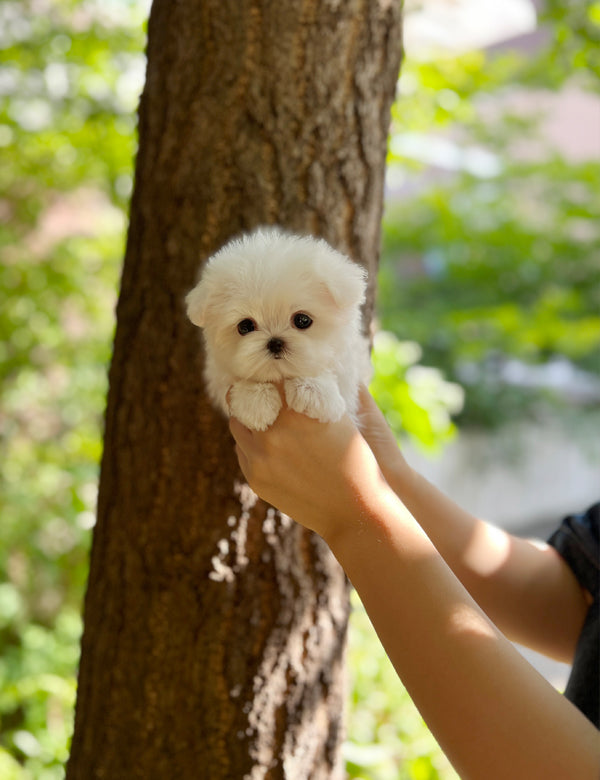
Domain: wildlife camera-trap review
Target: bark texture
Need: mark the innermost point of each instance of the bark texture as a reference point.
(215, 629)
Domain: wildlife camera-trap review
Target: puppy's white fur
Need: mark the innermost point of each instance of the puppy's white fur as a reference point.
(266, 278)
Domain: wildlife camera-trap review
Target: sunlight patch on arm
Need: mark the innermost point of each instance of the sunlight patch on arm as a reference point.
(488, 550)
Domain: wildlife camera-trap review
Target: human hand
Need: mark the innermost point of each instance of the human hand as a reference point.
(322, 474)
(381, 440)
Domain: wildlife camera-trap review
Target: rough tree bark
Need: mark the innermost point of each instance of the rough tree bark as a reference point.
(214, 629)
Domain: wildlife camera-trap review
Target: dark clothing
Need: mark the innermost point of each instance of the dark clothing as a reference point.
(577, 540)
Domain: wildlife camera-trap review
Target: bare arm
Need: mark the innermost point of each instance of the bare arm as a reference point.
(524, 586)
(494, 716)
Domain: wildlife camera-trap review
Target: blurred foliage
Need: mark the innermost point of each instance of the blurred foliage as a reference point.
(416, 400)
(573, 46)
(69, 80)
(491, 236)
(71, 72)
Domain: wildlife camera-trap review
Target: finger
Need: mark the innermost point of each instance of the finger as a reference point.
(238, 430)
(242, 460)
(366, 404)
(370, 407)
(365, 397)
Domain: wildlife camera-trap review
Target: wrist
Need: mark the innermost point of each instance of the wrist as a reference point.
(367, 519)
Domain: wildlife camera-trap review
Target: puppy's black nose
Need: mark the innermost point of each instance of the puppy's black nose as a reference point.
(276, 347)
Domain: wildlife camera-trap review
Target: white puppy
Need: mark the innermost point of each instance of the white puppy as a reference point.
(276, 307)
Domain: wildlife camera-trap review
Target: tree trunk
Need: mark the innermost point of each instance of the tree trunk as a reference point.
(215, 629)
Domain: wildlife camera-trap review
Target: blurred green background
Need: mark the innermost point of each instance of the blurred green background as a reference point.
(494, 263)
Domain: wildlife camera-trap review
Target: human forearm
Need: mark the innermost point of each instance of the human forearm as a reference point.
(491, 712)
(512, 579)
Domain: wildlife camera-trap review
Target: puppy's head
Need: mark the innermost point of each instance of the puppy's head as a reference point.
(273, 305)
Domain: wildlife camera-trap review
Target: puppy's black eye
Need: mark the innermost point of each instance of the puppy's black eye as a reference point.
(246, 326)
(302, 321)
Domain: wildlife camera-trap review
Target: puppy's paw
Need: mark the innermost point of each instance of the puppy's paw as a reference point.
(317, 397)
(255, 404)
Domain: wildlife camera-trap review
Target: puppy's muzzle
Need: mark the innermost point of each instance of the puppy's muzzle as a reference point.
(276, 347)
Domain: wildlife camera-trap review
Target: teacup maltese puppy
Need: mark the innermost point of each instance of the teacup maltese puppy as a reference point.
(280, 308)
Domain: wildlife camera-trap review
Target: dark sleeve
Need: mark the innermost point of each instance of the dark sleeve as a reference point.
(578, 542)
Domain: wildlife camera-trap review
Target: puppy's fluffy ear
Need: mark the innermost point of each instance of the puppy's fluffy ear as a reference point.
(344, 280)
(196, 302)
